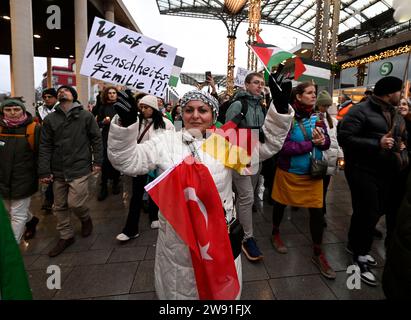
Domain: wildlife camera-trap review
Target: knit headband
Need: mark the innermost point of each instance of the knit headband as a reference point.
(202, 96)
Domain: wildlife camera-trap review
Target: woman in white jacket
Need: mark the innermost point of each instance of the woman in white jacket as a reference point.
(151, 124)
(174, 273)
(334, 153)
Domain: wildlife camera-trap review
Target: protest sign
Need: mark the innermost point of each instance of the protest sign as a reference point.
(118, 55)
(240, 76)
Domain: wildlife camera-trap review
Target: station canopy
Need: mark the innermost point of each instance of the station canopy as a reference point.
(369, 20)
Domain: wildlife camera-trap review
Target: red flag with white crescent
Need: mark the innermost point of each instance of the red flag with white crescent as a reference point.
(188, 198)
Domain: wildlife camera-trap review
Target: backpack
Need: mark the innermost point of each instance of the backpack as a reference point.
(244, 108)
(30, 132)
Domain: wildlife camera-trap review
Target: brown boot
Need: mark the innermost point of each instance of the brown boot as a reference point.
(86, 227)
(278, 244)
(61, 246)
(321, 262)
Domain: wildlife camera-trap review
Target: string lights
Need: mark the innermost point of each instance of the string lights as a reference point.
(376, 57)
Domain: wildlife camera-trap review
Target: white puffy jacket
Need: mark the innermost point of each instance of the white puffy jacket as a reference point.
(334, 152)
(174, 274)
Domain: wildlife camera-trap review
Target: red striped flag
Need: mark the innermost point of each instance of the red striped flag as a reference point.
(188, 198)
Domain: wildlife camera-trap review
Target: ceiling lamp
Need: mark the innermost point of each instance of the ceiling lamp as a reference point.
(234, 6)
(37, 36)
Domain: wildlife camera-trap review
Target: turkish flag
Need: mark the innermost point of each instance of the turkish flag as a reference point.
(188, 198)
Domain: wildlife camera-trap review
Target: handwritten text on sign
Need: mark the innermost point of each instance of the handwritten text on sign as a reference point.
(240, 76)
(121, 56)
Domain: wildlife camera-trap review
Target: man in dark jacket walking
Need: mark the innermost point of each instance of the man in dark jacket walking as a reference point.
(371, 134)
(70, 149)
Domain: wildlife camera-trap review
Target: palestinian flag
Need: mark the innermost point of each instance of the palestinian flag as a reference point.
(188, 199)
(271, 56)
(236, 148)
(316, 71)
(175, 71)
(14, 284)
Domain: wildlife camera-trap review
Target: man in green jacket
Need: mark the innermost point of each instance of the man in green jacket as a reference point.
(244, 186)
(70, 149)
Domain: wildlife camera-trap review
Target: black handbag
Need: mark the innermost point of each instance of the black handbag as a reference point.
(318, 168)
(236, 235)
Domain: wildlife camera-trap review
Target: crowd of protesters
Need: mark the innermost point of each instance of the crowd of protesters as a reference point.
(140, 135)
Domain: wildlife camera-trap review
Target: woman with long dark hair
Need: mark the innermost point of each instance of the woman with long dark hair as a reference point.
(293, 184)
(104, 115)
(151, 123)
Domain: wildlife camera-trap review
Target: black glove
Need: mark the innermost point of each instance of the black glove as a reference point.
(280, 97)
(125, 107)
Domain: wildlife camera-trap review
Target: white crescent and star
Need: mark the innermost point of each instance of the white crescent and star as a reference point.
(190, 194)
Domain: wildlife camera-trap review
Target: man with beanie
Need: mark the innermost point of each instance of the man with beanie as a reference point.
(50, 100)
(371, 134)
(70, 149)
(344, 106)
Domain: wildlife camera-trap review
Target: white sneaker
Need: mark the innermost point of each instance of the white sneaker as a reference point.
(155, 224)
(124, 237)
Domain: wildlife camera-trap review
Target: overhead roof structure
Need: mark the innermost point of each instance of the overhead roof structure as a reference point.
(198, 79)
(358, 18)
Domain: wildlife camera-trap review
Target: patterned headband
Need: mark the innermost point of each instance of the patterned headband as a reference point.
(202, 96)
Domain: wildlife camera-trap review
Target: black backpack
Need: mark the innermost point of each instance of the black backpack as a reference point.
(237, 119)
(244, 108)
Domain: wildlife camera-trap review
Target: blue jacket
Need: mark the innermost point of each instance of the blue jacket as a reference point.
(295, 155)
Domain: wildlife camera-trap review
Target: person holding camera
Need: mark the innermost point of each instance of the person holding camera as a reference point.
(294, 184)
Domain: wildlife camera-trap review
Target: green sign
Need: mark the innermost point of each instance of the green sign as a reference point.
(386, 68)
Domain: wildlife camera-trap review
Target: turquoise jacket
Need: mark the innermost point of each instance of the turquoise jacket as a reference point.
(295, 155)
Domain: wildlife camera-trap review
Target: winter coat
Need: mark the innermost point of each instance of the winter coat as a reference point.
(360, 132)
(295, 155)
(70, 143)
(255, 115)
(396, 279)
(173, 267)
(105, 110)
(18, 165)
(334, 152)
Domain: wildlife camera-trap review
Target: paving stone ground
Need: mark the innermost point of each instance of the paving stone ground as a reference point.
(99, 267)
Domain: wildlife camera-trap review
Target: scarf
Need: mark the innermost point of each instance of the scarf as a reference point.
(302, 110)
(11, 122)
